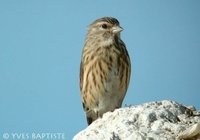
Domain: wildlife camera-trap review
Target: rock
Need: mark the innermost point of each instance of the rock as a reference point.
(164, 120)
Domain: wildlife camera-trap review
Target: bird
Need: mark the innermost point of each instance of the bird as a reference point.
(105, 69)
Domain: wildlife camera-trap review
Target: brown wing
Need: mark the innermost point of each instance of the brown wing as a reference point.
(89, 113)
(126, 69)
(81, 76)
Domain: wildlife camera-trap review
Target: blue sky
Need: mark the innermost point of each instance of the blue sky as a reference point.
(40, 50)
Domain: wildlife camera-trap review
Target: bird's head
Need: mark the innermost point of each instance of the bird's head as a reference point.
(104, 30)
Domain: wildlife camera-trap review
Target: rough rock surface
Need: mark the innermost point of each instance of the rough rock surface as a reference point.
(164, 120)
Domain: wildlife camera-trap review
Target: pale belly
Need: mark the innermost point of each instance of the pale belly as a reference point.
(110, 99)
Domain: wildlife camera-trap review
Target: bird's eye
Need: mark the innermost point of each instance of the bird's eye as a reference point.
(104, 26)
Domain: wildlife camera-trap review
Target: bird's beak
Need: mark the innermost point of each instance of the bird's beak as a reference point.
(117, 29)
